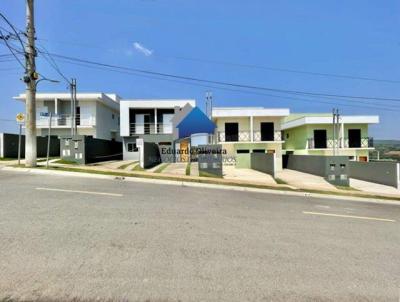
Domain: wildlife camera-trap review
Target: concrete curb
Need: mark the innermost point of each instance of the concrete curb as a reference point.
(201, 185)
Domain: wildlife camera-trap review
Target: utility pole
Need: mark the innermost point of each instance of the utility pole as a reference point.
(337, 130)
(72, 86)
(30, 80)
(334, 130)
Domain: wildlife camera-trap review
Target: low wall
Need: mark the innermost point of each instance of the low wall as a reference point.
(86, 149)
(263, 162)
(151, 155)
(386, 173)
(335, 169)
(243, 161)
(9, 145)
(209, 159)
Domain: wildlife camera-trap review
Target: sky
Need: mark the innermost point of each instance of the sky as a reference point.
(243, 42)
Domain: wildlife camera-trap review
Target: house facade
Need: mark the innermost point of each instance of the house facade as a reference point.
(97, 114)
(150, 121)
(244, 130)
(312, 134)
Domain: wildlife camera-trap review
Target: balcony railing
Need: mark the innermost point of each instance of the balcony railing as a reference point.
(245, 136)
(150, 128)
(65, 120)
(364, 142)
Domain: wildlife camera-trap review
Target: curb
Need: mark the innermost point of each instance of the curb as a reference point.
(202, 185)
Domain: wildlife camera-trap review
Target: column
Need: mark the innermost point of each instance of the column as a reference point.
(155, 121)
(251, 129)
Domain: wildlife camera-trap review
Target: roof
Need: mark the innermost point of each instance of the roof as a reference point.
(156, 103)
(326, 119)
(195, 122)
(248, 111)
(110, 100)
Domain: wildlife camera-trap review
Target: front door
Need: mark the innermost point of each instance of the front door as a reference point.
(354, 138)
(184, 151)
(267, 131)
(320, 139)
(231, 132)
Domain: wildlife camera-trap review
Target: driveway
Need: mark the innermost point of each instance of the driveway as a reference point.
(304, 180)
(84, 239)
(371, 187)
(230, 172)
(175, 169)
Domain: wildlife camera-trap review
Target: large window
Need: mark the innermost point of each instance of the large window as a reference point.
(320, 139)
(267, 131)
(231, 132)
(354, 138)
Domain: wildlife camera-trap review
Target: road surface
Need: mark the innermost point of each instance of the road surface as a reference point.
(70, 237)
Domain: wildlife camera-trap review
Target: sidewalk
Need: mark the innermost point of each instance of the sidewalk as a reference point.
(215, 181)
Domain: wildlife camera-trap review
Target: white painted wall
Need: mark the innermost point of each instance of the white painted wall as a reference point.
(105, 123)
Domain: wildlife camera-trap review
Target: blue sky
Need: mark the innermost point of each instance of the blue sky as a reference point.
(360, 38)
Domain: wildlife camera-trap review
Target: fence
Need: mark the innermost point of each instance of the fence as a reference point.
(9, 145)
(263, 162)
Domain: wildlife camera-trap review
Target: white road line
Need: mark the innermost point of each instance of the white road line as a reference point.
(82, 192)
(349, 216)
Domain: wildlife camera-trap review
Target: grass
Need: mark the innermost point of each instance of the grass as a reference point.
(187, 172)
(8, 158)
(124, 166)
(350, 193)
(280, 181)
(45, 159)
(161, 168)
(137, 168)
(65, 162)
(345, 188)
(207, 174)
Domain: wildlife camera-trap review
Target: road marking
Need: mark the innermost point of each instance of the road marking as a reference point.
(82, 192)
(349, 216)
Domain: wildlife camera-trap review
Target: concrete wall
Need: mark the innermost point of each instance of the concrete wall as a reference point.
(86, 149)
(9, 146)
(105, 122)
(210, 160)
(151, 155)
(335, 169)
(263, 162)
(386, 173)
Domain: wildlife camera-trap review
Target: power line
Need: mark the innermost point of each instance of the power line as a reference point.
(250, 66)
(232, 89)
(194, 79)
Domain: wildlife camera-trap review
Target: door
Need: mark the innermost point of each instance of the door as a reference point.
(142, 123)
(167, 123)
(184, 151)
(320, 139)
(231, 132)
(267, 131)
(354, 138)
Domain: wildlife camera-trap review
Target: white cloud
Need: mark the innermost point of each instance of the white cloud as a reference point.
(140, 48)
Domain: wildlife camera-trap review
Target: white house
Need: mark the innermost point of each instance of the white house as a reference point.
(149, 121)
(97, 114)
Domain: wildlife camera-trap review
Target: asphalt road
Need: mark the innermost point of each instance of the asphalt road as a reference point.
(121, 240)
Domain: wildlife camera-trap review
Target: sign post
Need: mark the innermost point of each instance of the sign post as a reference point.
(20, 118)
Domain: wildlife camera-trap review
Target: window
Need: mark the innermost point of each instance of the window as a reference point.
(258, 150)
(76, 144)
(132, 147)
(231, 132)
(113, 116)
(241, 151)
(66, 142)
(271, 151)
(267, 131)
(164, 144)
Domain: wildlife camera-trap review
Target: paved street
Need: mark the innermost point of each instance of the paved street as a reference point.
(70, 237)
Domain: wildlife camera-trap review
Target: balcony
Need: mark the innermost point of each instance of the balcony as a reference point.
(150, 128)
(65, 121)
(245, 136)
(364, 142)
